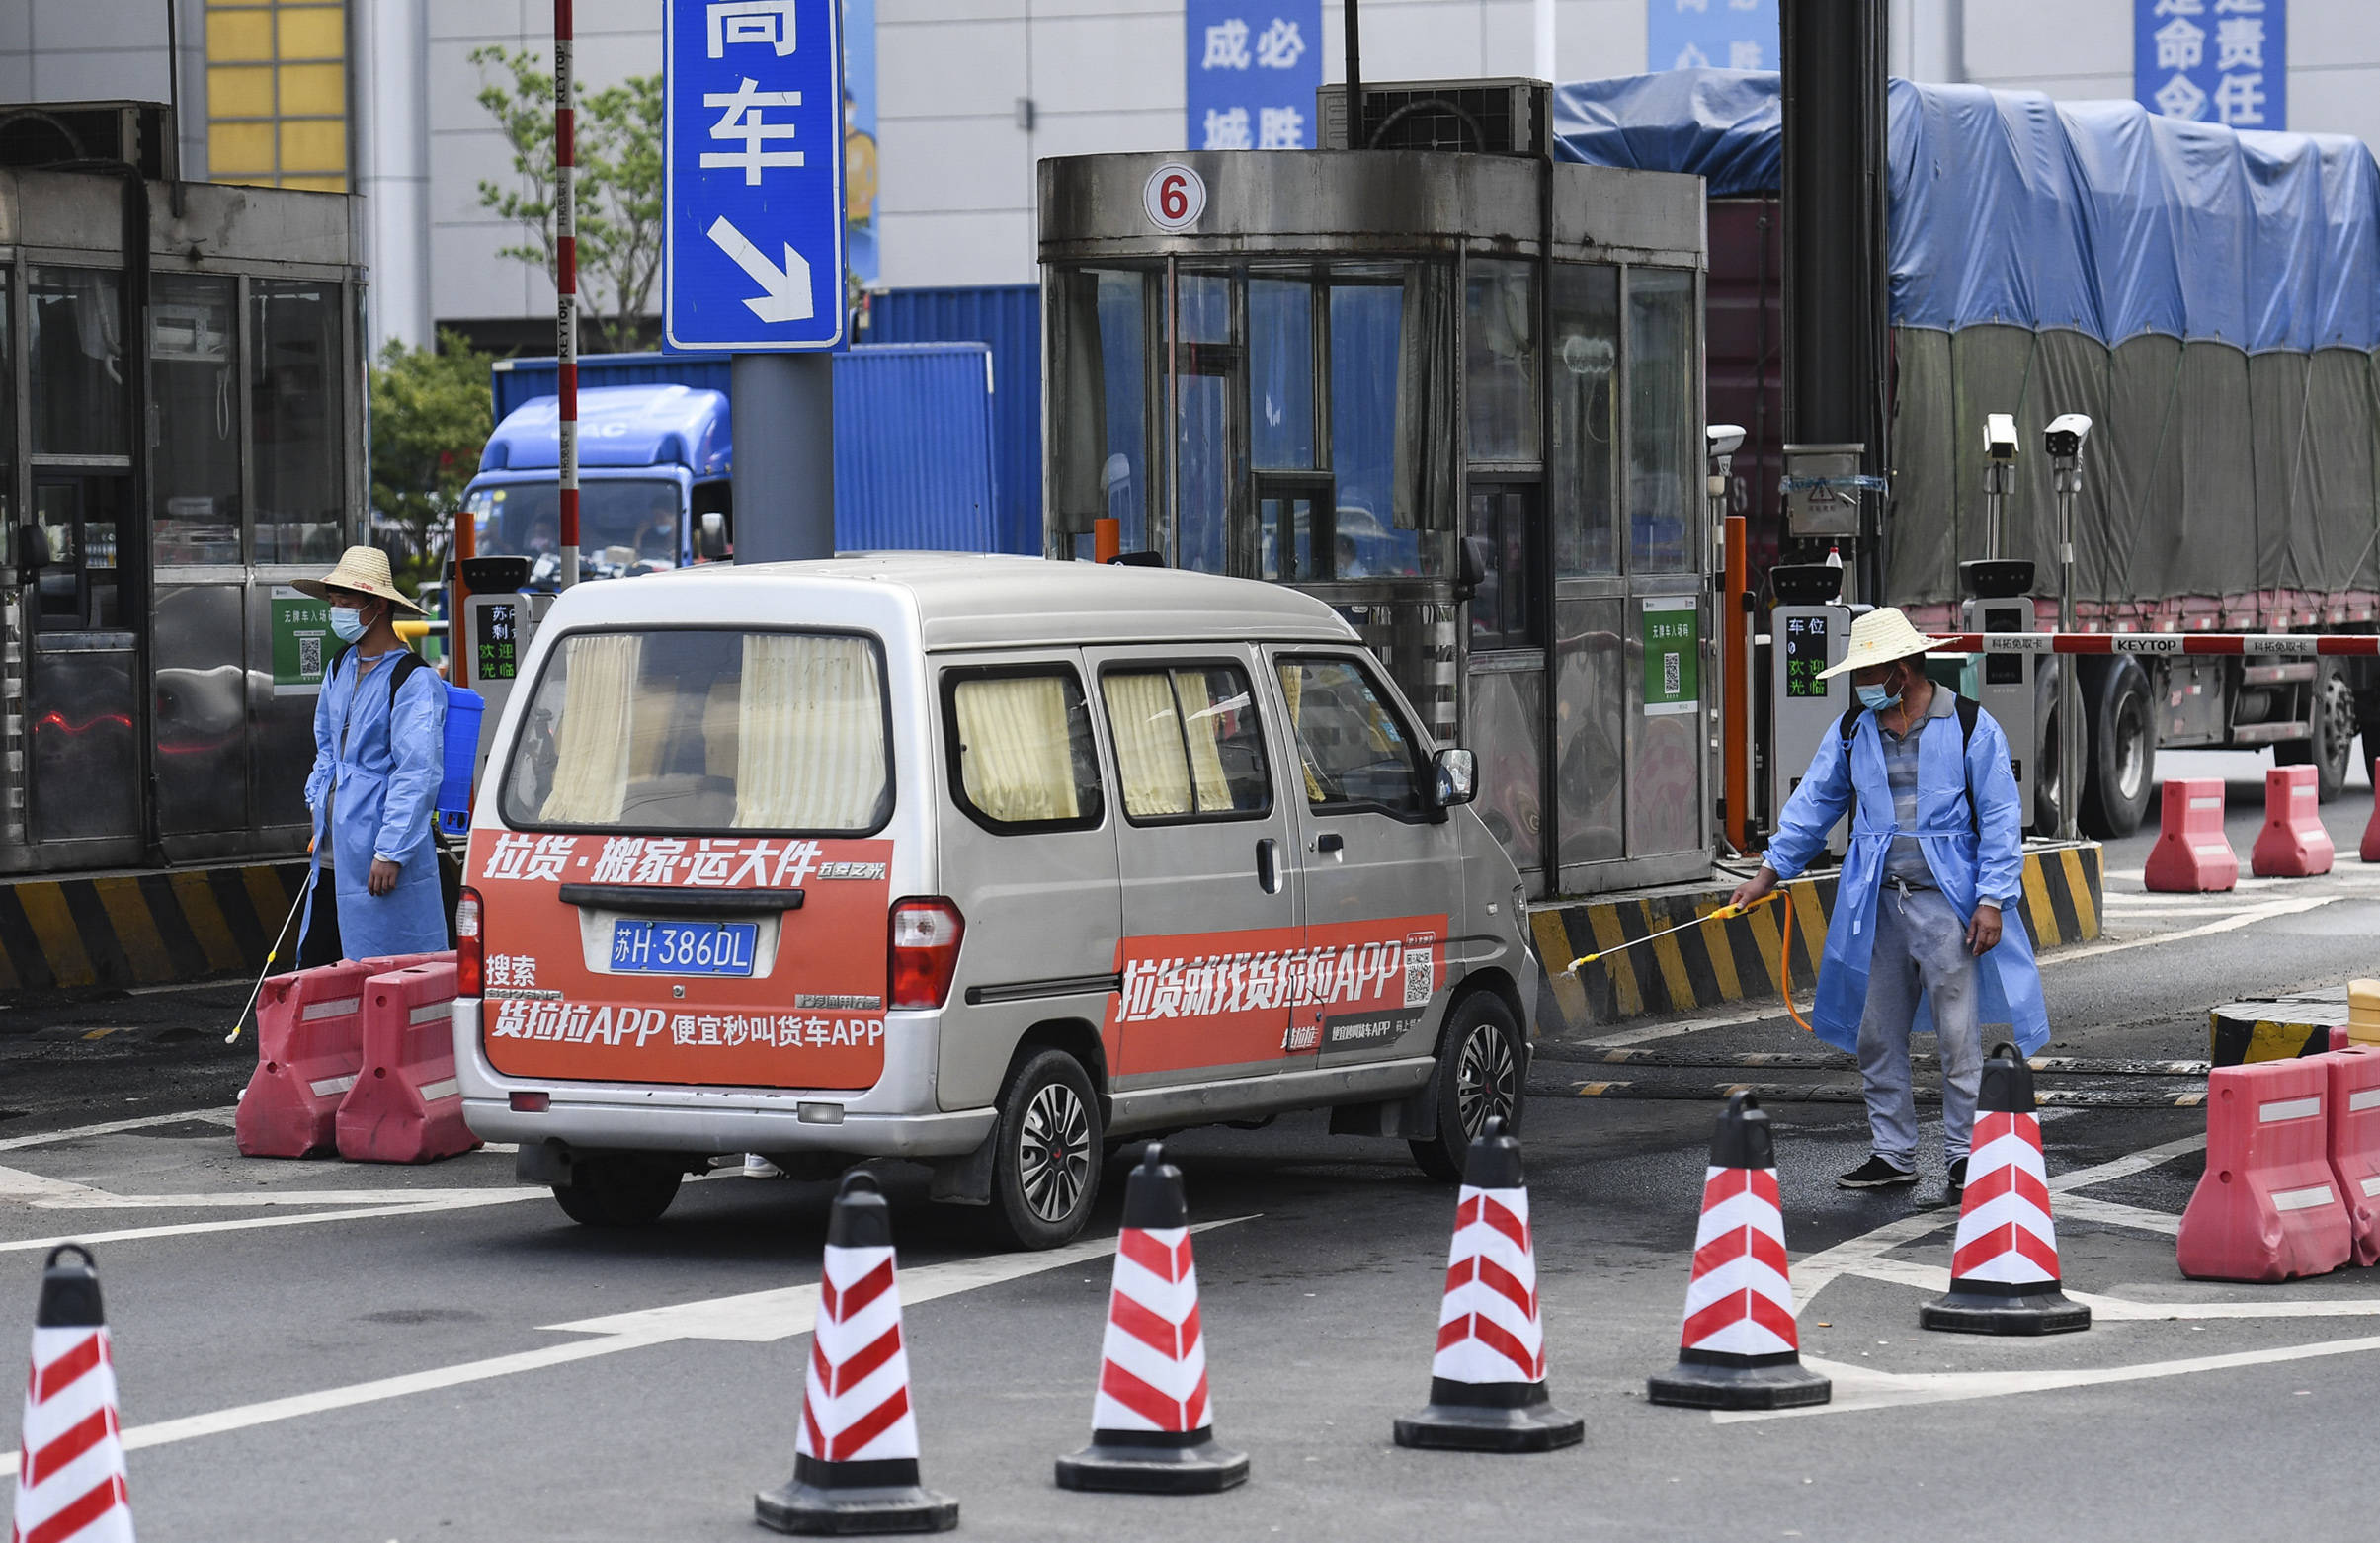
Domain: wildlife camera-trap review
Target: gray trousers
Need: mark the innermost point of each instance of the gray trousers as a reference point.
(1921, 945)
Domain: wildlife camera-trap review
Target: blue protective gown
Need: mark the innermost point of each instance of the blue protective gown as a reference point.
(1965, 867)
(386, 767)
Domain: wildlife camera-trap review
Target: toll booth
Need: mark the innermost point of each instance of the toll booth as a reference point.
(1323, 368)
(181, 437)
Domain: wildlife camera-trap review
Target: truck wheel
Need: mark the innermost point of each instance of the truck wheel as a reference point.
(2330, 748)
(1045, 1168)
(616, 1190)
(2048, 763)
(2122, 752)
(1480, 1058)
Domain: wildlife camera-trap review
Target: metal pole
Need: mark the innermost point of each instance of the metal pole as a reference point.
(1354, 78)
(566, 286)
(2068, 472)
(782, 407)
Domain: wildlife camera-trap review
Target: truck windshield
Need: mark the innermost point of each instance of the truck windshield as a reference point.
(626, 525)
(705, 730)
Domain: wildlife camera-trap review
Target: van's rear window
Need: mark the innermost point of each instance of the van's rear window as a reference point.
(698, 730)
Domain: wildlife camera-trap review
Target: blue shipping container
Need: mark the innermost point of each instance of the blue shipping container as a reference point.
(1009, 318)
(915, 459)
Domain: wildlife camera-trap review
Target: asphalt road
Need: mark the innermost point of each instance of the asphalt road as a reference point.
(318, 1351)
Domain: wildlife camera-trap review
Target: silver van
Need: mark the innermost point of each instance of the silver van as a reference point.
(987, 862)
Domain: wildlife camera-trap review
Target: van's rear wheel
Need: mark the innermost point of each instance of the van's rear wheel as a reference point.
(619, 1190)
(1479, 1070)
(1045, 1167)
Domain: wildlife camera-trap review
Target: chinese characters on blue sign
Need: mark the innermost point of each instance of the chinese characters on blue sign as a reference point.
(2221, 61)
(1730, 34)
(754, 175)
(1253, 68)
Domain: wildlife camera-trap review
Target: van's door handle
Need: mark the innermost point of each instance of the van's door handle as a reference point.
(1267, 867)
(1329, 840)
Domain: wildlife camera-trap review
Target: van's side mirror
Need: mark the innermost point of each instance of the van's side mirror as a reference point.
(1457, 779)
(711, 543)
(1473, 556)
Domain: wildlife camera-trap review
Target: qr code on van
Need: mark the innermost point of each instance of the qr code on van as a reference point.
(309, 655)
(1670, 682)
(1418, 976)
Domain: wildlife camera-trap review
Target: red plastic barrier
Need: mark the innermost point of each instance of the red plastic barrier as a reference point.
(2191, 853)
(2293, 843)
(2267, 1207)
(2356, 1142)
(406, 1106)
(2369, 851)
(310, 1027)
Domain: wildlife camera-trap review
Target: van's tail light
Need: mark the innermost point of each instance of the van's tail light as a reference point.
(925, 952)
(469, 977)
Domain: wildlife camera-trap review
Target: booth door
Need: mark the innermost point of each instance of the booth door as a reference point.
(84, 782)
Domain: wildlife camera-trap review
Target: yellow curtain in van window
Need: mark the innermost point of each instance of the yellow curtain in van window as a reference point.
(591, 757)
(810, 731)
(1016, 757)
(1293, 680)
(1148, 745)
(1203, 730)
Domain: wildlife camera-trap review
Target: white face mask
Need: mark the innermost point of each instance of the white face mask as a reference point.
(347, 623)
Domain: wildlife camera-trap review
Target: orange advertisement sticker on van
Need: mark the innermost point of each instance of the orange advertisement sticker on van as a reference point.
(583, 983)
(1229, 998)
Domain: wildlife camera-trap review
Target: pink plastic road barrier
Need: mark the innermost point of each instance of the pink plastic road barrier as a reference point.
(2369, 851)
(2293, 844)
(406, 1106)
(2267, 1207)
(2191, 854)
(309, 1042)
(2354, 1142)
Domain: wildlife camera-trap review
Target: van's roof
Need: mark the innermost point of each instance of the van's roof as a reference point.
(967, 599)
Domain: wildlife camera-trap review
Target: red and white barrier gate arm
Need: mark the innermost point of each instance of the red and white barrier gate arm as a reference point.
(2285, 645)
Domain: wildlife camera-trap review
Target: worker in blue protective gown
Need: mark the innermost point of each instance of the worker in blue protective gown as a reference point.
(1927, 930)
(379, 758)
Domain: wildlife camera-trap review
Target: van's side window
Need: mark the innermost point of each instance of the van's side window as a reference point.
(1020, 751)
(1187, 742)
(1356, 753)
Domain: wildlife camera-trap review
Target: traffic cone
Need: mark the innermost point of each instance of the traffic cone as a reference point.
(1152, 1426)
(1487, 1382)
(2004, 1269)
(1740, 1348)
(854, 1457)
(70, 1476)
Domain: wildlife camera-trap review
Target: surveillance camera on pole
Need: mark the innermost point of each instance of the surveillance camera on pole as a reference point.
(1720, 443)
(2063, 440)
(1999, 474)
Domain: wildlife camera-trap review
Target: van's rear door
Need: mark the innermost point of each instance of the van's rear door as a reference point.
(689, 887)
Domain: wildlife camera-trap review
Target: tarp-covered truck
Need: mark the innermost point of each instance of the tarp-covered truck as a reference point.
(2211, 298)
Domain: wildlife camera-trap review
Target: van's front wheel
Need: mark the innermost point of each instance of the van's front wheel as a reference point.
(619, 1190)
(1478, 1078)
(1046, 1169)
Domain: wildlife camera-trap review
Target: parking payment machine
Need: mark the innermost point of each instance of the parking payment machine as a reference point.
(1808, 631)
(2000, 600)
(497, 624)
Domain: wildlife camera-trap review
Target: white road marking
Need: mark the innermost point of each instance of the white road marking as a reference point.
(84, 1199)
(250, 1223)
(757, 1317)
(39, 1189)
(224, 1116)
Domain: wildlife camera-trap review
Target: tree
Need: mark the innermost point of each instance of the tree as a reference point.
(618, 185)
(431, 414)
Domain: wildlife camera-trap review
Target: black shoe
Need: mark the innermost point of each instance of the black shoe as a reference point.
(1958, 1179)
(1876, 1173)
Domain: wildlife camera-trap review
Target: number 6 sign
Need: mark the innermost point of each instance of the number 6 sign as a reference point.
(1174, 197)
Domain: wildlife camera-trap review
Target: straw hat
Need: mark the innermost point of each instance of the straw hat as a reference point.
(364, 570)
(1878, 638)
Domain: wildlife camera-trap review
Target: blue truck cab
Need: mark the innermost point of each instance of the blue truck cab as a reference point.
(653, 460)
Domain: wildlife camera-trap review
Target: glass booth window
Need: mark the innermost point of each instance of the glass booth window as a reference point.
(1585, 370)
(1392, 431)
(1281, 341)
(195, 393)
(1100, 323)
(7, 411)
(1665, 455)
(295, 384)
(1207, 388)
(1499, 359)
(81, 404)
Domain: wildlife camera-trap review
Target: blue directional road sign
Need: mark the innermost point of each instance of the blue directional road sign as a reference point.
(753, 260)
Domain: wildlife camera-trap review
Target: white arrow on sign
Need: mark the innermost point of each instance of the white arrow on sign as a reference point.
(788, 289)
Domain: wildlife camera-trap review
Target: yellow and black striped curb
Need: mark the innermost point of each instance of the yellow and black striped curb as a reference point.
(142, 928)
(1739, 959)
(2274, 1029)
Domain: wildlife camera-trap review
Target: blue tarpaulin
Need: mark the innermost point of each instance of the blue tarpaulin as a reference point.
(2007, 206)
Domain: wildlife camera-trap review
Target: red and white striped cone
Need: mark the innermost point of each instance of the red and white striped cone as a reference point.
(1487, 1382)
(2003, 1269)
(1740, 1348)
(70, 1476)
(1152, 1425)
(855, 1455)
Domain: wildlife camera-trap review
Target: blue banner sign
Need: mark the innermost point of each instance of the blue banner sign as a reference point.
(2219, 61)
(1252, 69)
(1728, 34)
(752, 259)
